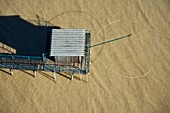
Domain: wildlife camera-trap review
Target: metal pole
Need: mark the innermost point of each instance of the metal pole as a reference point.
(111, 40)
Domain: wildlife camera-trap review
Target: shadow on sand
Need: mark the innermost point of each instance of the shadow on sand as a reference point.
(6, 72)
(25, 37)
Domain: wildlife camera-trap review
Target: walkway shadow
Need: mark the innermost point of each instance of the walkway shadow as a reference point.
(25, 37)
(46, 75)
(63, 75)
(32, 75)
(4, 71)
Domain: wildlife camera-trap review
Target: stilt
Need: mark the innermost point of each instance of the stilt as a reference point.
(35, 73)
(86, 77)
(54, 74)
(11, 70)
(81, 77)
(72, 76)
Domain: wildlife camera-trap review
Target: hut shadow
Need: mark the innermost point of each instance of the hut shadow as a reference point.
(25, 37)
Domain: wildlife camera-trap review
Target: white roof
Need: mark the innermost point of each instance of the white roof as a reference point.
(67, 42)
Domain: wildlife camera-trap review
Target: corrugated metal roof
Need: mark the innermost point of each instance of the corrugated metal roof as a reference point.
(67, 42)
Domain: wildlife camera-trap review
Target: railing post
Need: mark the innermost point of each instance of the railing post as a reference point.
(43, 57)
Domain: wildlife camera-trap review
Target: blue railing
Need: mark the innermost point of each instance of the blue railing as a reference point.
(7, 56)
(42, 68)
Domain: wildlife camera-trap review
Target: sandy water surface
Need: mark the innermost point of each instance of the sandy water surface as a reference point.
(127, 76)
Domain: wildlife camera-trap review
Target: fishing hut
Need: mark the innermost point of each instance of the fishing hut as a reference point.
(69, 52)
(69, 49)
